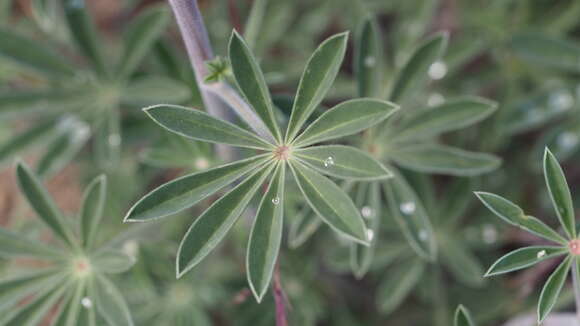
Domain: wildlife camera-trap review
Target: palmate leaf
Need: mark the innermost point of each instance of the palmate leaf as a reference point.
(318, 76)
(140, 36)
(463, 317)
(211, 227)
(71, 307)
(42, 204)
(449, 116)
(266, 235)
(188, 190)
(361, 257)
(414, 71)
(14, 245)
(367, 60)
(83, 33)
(552, 288)
(199, 125)
(14, 289)
(514, 215)
(345, 162)
(303, 227)
(26, 139)
(524, 257)
(443, 159)
(110, 302)
(408, 211)
(252, 84)
(35, 311)
(92, 210)
(399, 283)
(32, 54)
(330, 202)
(559, 193)
(345, 119)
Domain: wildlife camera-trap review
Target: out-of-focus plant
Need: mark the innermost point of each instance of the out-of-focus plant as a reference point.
(72, 285)
(81, 92)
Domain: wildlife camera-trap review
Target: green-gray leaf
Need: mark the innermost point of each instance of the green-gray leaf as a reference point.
(28, 138)
(552, 289)
(110, 302)
(83, 32)
(318, 76)
(451, 115)
(514, 215)
(361, 257)
(303, 227)
(112, 261)
(150, 90)
(266, 236)
(32, 313)
(188, 190)
(199, 125)
(345, 162)
(330, 202)
(345, 119)
(406, 208)
(399, 283)
(92, 210)
(414, 72)
(211, 227)
(107, 140)
(42, 204)
(524, 257)
(251, 82)
(547, 50)
(141, 34)
(442, 159)
(32, 54)
(461, 262)
(368, 56)
(559, 193)
(14, 245)
(463, 317)
(15, 289)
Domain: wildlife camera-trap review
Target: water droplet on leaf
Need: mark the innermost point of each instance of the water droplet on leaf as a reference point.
(423, 236)
(86, 302)
(435, 99)
(370, 62)
(276, 200)
(407, 207)
(561, 100)
(541, 254)
(114, 139)
(370, 235)
(437, 70)
(328, 162)
(567, 140)
(366, 212)
(489, 234)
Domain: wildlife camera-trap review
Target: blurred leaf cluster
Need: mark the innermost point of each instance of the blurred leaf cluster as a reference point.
(394, 126)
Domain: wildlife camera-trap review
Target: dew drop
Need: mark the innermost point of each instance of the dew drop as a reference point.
(201, 163)
(370, 235)
(423, 236)
(435, 99)
(489, 234)
(370, 62)
(86, 302)
(567, 140)
(328, 162)
(561, 100)
(366, 212)
(437, 70)
(276, 200)
(114, 140)
(407, 207)
(541, 254)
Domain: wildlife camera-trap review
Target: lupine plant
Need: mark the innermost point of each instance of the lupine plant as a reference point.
(74, 274)
(276, 154)
(564, 245)
(337, 193)
(81, 97)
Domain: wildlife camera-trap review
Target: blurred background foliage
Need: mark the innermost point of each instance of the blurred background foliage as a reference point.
(524, 54)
